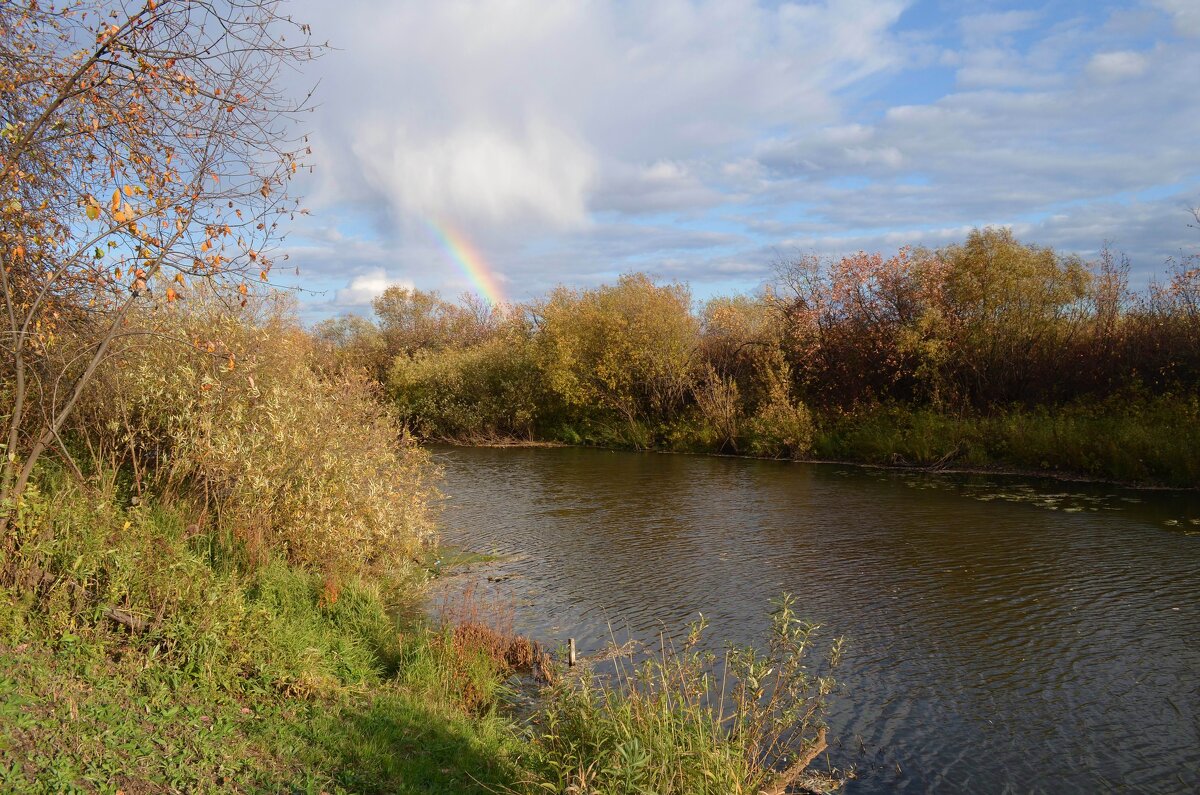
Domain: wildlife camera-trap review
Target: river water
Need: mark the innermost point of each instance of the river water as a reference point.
(1003, 634)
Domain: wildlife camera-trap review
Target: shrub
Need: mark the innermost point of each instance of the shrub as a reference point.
(623, 350)
(281, 458)
(781, 427)
(487, 391)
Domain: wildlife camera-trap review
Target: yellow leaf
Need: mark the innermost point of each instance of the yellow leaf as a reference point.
(116, 200)
(93, 212)
(128, 190)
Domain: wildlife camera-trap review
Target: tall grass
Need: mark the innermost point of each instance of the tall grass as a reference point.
(133, 656)
(687, 721)
(1134, 439)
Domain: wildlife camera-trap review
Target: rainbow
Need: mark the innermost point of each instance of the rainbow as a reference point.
(468, 259)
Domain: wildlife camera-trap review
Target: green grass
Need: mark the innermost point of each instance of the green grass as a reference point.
(1132, 440)
(76, 719)
(270, 679)
(256, 680)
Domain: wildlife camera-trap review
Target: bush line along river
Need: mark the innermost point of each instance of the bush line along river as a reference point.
(1004, 634)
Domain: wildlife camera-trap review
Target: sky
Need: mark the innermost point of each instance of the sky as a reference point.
(504, 147)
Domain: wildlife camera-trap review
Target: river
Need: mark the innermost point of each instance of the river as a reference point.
(1003, 634)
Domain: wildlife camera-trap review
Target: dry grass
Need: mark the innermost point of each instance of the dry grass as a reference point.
(478, 631)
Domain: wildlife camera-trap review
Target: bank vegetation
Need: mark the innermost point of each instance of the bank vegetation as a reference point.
(989, 353)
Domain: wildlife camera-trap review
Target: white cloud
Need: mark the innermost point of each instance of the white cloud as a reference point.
(477, 172)
(574, 140)
(1117, 65)
(366, 287)
(521, 112)
(663, 186)
(1185, 15)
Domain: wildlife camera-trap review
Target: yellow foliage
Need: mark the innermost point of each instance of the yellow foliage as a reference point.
(311, 466)
(627, 347)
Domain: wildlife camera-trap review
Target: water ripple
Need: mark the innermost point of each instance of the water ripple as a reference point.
(1004, 635)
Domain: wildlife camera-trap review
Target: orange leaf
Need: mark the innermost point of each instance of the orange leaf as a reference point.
(116, 200)
(171, 294)
(242, 289)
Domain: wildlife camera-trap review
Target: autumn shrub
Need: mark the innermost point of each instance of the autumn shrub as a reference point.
(620, 353)
(229, 412)
(486, 391)
(351, 342)
(719, 405)
(782, 426)
(781, 429)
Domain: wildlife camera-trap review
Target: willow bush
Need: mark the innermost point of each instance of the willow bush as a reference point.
(226, 408)
(491, 390)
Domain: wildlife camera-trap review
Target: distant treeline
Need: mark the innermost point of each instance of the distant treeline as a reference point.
(991, 352)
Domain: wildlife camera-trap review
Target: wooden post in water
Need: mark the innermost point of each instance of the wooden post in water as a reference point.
(571, 652)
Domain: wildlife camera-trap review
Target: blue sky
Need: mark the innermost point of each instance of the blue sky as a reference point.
(704, 141)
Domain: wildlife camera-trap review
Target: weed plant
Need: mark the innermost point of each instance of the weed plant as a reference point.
(682, 720)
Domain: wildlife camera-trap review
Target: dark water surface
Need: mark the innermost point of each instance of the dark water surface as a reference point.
(1004, 635)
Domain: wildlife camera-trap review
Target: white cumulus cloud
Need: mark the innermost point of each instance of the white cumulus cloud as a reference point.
(366, 287)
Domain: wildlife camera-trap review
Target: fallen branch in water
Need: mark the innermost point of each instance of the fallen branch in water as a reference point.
(784, 780)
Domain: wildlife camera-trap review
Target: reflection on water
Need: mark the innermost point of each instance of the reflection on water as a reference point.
(1005, 635)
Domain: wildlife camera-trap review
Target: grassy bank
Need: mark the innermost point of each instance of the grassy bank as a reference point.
(1132, 440)
(136, 658)
(139, 655)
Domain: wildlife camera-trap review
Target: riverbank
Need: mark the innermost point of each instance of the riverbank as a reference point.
(137, 655)
(1132, 442)
(1138, 443)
